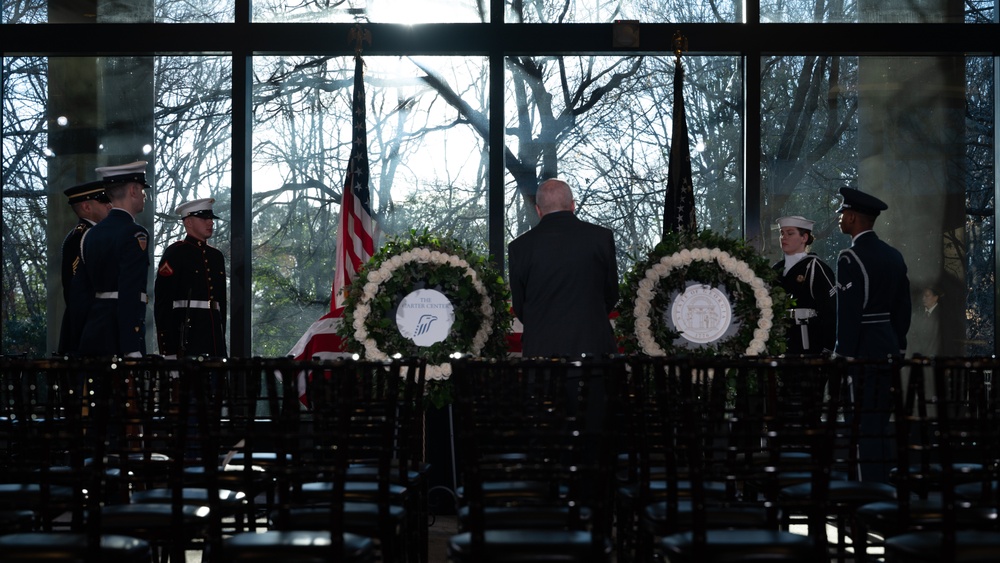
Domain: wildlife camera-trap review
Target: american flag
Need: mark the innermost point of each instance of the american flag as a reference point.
(356, 242)
(678, 209)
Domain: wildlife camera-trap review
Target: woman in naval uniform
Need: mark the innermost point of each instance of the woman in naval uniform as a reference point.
(812, 326)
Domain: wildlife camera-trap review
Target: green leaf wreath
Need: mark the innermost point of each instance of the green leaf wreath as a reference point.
(421, 260)
(758, 302)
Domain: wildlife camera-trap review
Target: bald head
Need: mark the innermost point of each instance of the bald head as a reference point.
(554, 195)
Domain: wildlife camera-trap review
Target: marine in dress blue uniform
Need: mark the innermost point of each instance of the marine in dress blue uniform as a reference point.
(116, 261)
(873, 318)
(812, 324)
(189, 299)
(91, 205)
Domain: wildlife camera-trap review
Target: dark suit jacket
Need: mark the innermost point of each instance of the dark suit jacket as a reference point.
(873, 299)
(116, 260)
(564, 283)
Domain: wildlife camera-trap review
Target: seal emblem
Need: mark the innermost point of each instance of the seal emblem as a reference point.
(702, 314)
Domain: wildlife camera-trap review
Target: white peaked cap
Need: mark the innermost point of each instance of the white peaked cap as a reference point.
(197, 208)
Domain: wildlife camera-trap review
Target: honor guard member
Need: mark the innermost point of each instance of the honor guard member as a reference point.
(873, 318)
(91, 205)
(189, 301)
(116, 261)
(811, 282)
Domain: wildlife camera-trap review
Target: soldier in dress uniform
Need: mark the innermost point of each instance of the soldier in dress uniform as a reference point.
(116, 261)
(189, 302)
(91, 205)
(813, 321)
(873, 318)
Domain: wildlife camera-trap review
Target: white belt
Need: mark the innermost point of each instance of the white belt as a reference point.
(801, 314)
(114, 295)
(189, 304)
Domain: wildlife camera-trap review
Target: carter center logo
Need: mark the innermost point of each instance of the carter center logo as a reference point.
(425, 316)
(702, 314)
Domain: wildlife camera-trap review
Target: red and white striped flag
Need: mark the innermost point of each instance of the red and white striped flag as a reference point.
(356, 236)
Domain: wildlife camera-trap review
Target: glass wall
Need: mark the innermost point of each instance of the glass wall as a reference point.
(65, 116)
(915, 131)
(427, 138)
(466, 115)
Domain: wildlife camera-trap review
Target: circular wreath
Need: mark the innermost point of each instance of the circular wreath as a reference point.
(709, 259)
(425, 261)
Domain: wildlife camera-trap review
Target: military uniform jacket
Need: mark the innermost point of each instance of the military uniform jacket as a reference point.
(76, 305)
(873, 299)
(564, 283)
(189, 303)
(813, 285)
(116, 262)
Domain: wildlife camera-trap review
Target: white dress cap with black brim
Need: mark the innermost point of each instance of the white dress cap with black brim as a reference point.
(134, 172)
(201, 208)
(797, 221)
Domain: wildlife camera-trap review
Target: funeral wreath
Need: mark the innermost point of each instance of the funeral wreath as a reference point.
(702, 294)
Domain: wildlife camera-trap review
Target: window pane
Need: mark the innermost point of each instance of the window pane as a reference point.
(95, 11)
(916, 132)
(877, 11)
(427, 131)
(606, 11)
(612, 141)
(375, 11)
(64, 116)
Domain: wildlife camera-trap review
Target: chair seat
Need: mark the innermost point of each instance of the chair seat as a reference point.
(841, 493)
(658, 490)
(509, 546)
(295, 547)
(514, 491)
(189, 495)
(883, 517)
(359, 518)
(152, 520)
(971, 546)
(354, 490)
(725, 546)
(521, 517)
(59, 546)
(25, 494)
(974, 491)
(14, 520)
(656, 521)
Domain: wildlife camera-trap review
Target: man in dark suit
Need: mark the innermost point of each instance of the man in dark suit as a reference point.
(563, 279)
(189, 296)
(116, 260)
(91, 205)
(873, 318)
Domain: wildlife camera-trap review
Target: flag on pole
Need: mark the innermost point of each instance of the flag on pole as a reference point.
(356, 236)
(678, 209)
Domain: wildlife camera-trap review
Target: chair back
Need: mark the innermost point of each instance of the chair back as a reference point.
(535, 434)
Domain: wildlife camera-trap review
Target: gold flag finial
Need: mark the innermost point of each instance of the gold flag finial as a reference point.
(359, 35)
(680, 44)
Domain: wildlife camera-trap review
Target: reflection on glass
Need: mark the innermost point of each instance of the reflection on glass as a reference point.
(604, 11)
(63, 116)
(158, 11)
(877, 11)
(611, 142)
(427, 136)
(375, 11)
(914, 132)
